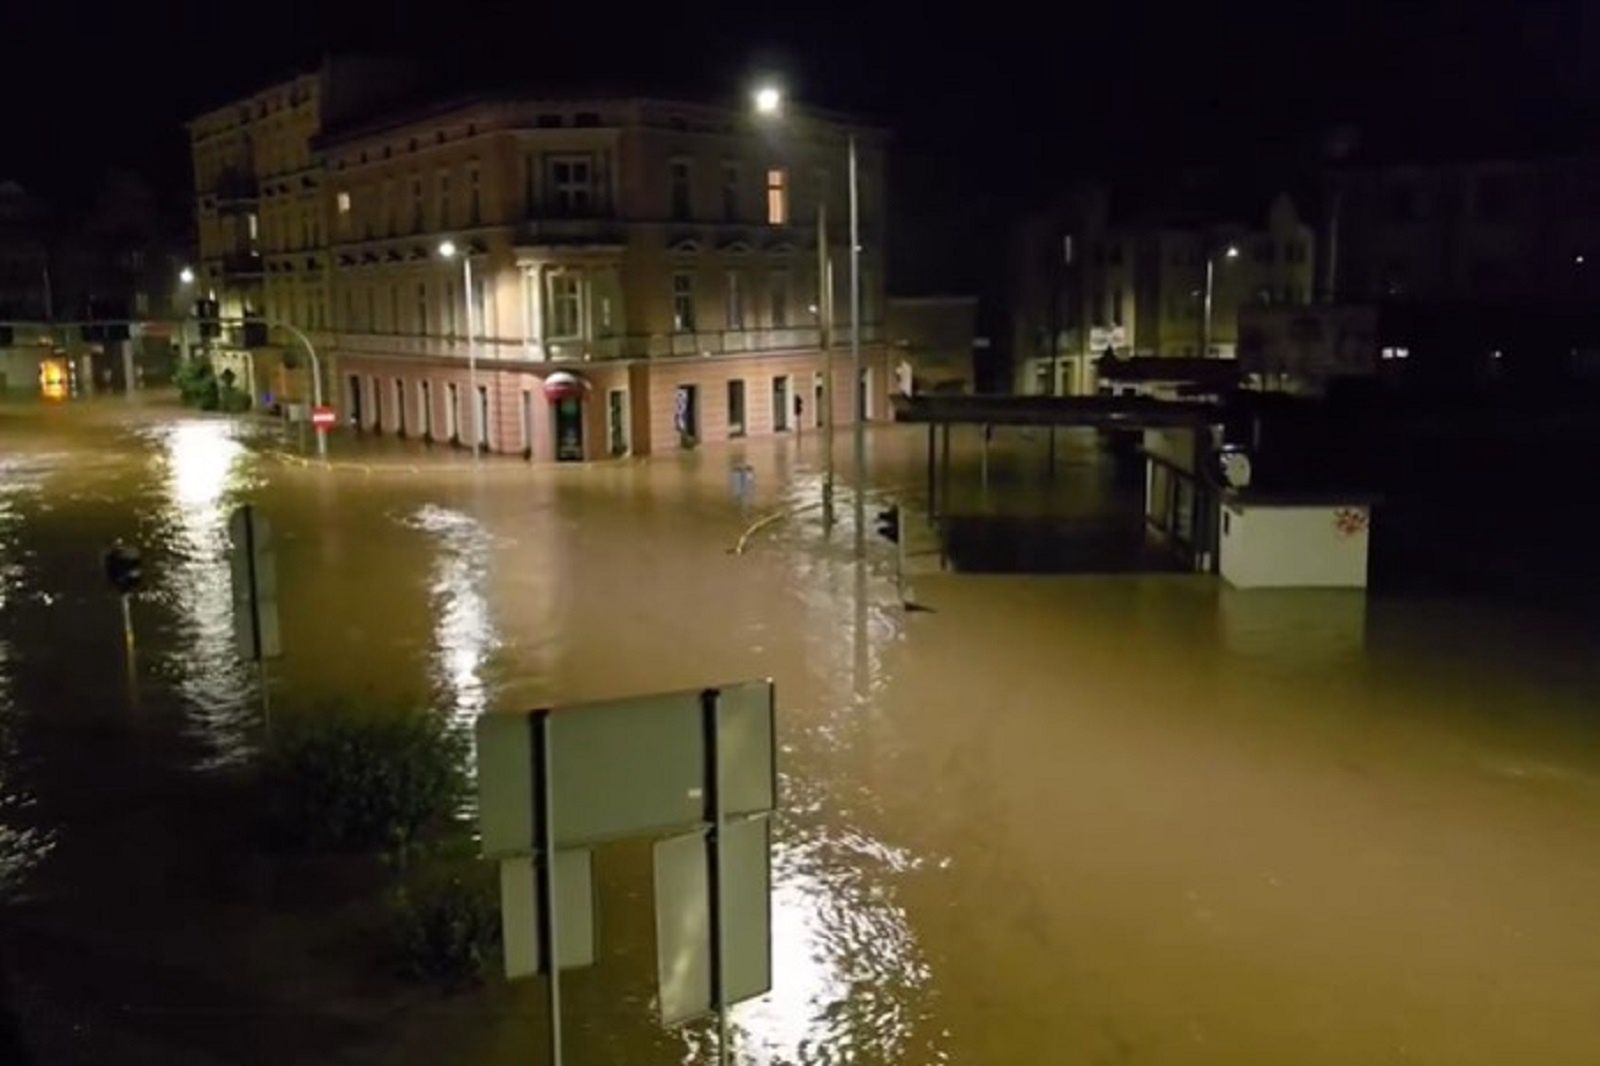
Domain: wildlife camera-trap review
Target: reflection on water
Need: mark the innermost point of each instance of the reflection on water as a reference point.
(464, 634)
(204, 472)
(22, 847)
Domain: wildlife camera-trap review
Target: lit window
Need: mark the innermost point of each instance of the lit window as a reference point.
(253, 223)
(777, 197)
(780, 299)
(683, 303)
(564, 304)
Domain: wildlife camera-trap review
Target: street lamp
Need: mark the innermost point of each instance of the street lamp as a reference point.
(186, 275)
(768, 101)
(448, 250)
(1229, 252)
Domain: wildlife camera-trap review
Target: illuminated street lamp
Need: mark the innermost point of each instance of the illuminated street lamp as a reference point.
(186, 276)
(448, 250)
(1229, 252)
(768, 100)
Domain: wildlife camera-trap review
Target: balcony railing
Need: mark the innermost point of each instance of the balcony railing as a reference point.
(633, 346)
(574, 232)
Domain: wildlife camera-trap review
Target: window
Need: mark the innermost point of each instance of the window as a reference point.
(394, 309)
(422, 307)
(389, 212)
(141, 303)
(735, 300)
(780, 404)
(780, 299)
(450, 298)
(735, 408)
(777, 197)
(478, 320)
(730, 192)
(1396, 353)
(603, 315)
(1116, 307)
(683, 302)
(680, 189)
(572, 186)
(474, 194)
(444, 199)
(586, 119)
(416, 204)
(565, 304)
(253, 224)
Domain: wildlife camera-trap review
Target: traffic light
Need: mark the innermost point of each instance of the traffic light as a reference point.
(888, 524)
(124, 568)
(255, 333)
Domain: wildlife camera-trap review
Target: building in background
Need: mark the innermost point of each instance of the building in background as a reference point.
(1499, 230)
(1140, 284)
(644, 273)
(261, 213)
(87, 296)
(932, 342)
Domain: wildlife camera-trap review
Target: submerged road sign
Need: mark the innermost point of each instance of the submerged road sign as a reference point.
(254, 567)
(696, 769)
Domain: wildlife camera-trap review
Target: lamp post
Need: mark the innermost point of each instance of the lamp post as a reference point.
(186, 278)
(448, 250)
(1229, 252)
(768, 100)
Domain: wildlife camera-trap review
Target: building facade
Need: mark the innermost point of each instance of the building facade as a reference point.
(643, 274)
(1149, 286)
(932, 340)
(1499, 230)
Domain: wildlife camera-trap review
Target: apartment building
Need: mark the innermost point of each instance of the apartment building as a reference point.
(1154, 283)
(261, 212)
(644, 274)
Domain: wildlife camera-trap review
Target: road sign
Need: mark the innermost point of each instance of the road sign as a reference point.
(323, 417)
(255, 585)
(697, 768)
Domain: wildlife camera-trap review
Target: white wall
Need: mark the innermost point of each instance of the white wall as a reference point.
(1294, 546)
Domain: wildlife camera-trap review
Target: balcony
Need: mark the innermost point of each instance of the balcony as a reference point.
(236, 190)
(634, 346)
(573, 233)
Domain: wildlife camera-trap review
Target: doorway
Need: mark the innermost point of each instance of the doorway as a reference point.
(780, 404)
(452, 413)
(617, 421)
(527, 424)
(817, 393)
(400, 406)
(686, 415)
(569, 428)
(425, 407)
(355, 401)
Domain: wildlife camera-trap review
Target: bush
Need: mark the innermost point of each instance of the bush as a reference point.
(447, 929)
(197, 383)
(356, 781)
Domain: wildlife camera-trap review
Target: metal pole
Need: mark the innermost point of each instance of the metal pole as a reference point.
(472, 356)
(1205, 319)
(933, 498)
(130, 653)
(855, 354)
(316, 382)
(825, 339)
(547, 855)
(710, 701)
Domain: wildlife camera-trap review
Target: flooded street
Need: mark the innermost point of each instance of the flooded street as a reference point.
(1118, 819)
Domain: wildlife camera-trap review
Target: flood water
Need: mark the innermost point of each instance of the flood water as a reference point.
(1090, 819)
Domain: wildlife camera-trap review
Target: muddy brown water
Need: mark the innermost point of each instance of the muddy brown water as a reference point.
(1110, 819)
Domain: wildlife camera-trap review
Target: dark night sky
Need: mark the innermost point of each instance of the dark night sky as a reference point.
(989, 109)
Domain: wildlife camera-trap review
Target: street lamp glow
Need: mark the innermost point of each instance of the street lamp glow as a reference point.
(1232, 251)
(768, 100)
(447, 248)
(186, 275)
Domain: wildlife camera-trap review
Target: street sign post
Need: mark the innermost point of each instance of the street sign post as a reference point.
(697, 771)
(254, 569)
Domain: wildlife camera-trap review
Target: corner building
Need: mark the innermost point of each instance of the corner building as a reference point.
(644, 274)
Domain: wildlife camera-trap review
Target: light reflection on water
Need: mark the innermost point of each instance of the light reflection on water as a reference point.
(204, 473)
(22, 847)
(463, 632)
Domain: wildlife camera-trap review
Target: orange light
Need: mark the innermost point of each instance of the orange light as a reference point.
(55, 379)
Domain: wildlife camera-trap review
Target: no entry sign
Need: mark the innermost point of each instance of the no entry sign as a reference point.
(323, 417)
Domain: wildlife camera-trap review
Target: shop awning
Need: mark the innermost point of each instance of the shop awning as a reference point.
(561, 384)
